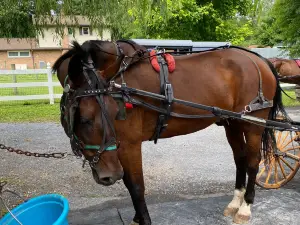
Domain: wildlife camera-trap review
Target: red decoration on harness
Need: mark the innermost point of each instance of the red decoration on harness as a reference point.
(298, 62)
(128, 105)
(169, 59)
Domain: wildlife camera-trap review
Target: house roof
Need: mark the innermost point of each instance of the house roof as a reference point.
(68, 20)
(18, 44)
(15, 44)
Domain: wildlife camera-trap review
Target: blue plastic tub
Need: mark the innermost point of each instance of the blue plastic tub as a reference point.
(49, 209)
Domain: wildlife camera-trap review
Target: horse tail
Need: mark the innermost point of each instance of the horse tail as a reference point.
(268, 137)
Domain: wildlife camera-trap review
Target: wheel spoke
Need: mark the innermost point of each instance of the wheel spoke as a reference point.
(281, 168)
(269, 172)
(278, 137)
(262, 161)
(280, 146)
(292, 148)
(261, 172)
(294, 157)
(286, 163)
(275, 171)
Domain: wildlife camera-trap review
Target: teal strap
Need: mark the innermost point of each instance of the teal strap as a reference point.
(92, 147)
(111, 148)
(65, 82)
(97, 147)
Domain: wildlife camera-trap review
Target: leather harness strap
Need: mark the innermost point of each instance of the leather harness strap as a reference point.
(260, 101)
(166, 90)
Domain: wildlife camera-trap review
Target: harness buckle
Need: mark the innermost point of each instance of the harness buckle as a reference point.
(248, 108)
(67, 88)
(169, 92)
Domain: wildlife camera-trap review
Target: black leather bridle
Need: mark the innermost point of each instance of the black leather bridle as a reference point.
(98, 88)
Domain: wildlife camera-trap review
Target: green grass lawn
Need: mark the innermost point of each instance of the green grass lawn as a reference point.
(39, 112)
(29, 110)
(287, 102)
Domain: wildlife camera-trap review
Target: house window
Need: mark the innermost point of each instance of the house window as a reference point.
(43, 65)
(84, 30)
(24, 54)
(13, 54)
(70, 30)
(18, 54)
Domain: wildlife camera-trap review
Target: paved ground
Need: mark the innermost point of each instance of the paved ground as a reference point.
(271, 208)
(200, 170)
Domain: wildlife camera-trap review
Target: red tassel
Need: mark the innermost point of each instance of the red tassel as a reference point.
(128, 105)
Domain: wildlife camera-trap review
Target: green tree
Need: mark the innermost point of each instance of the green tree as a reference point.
(101, 13)
(287, 16)
(260, 10)
(16, 19)
(267, 33)
(194, 19)
(206, 20)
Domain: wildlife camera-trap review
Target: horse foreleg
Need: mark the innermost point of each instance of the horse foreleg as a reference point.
(253, 143)
(236, 140)
(131, 159)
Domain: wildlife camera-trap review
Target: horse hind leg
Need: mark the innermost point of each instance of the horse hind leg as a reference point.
(253, 135)
(236, 140)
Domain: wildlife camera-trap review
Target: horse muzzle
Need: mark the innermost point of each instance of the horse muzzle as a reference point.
(107, 179)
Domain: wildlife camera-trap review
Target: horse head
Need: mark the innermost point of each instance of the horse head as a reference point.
(87, 111)
(288, 70)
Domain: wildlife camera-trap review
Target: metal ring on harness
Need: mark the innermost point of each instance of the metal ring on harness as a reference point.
(248, 108)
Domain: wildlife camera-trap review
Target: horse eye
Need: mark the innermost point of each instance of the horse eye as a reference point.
(84, 120)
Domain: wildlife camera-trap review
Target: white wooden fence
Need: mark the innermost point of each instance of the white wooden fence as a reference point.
(49, 83)
(286, 86)
(272, 52)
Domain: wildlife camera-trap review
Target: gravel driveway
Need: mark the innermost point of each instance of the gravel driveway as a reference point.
(197, 164)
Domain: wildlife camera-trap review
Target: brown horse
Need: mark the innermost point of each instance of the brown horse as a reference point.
(228, 78)
(288, 69)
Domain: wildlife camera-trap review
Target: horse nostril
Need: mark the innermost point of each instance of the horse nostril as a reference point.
(106, 179)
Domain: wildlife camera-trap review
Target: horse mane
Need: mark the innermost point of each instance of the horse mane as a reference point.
(74, 50)
(90, 47)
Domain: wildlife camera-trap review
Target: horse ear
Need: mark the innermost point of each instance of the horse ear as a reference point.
(75, 71)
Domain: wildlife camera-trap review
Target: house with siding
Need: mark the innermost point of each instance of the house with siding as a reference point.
(35, 53)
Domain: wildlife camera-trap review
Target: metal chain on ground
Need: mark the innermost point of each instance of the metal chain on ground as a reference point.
(58, 155)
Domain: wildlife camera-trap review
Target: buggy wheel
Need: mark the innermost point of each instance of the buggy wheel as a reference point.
(283, 164)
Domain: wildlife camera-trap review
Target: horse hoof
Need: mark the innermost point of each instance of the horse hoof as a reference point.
(241, 219)
(133, 223)
(230, 212)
